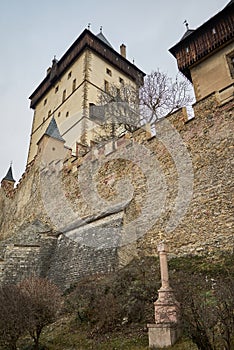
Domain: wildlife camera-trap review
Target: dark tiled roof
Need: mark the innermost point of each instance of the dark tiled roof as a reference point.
(9, 176)
(104, 39)
(53, 131)
(187, 33)
(101, 47)
(230, 3)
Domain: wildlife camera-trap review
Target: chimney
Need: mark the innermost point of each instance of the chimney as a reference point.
(123, 50)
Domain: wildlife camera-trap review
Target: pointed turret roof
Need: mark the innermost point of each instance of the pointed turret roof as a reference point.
(103, 38)
(9, 175)
(187, 33)
(53, 130)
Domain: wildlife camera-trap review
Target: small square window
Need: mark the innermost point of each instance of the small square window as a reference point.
(59, 113)
(45, 101)
(67, 114)
(121, 80)
(109, 72)
(69, 75)
(56, 89)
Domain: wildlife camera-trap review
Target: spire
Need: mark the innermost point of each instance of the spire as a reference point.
(103, 38)
(188, 31)
(53, 130)
(9, 175)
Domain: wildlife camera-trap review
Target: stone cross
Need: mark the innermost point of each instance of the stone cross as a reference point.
(162, 250)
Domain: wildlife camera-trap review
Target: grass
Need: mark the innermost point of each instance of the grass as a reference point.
(66, 334)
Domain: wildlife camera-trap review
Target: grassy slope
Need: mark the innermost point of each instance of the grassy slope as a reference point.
(69, 333)
(66, 335)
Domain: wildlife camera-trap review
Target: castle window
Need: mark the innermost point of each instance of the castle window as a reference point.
(59, 113)
(121, 80)
(106, 86)
(45, 101)
(56, 89)
(230, 61)
(49, 113)
(109, 72)
(91, 110)
(69, 75)
(67, 114)
(74, 85)
(64, 96)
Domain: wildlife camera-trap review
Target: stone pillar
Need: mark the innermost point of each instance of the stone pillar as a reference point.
(166, 329)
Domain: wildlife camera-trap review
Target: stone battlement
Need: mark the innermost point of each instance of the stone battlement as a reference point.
(92, 211)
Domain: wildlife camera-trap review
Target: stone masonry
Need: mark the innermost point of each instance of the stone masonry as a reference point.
(31, 242)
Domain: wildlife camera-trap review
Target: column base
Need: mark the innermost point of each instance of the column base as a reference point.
(163, 335)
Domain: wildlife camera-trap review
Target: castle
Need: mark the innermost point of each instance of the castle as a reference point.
(83, 208)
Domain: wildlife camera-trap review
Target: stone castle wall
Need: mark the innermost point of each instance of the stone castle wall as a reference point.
(69, 228)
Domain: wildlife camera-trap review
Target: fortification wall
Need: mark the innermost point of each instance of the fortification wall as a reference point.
(124, 200)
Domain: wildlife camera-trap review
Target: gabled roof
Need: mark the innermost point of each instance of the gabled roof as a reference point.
(97, 44)
(104, 39)
(209, 37)
(53, 131)
(9, 175)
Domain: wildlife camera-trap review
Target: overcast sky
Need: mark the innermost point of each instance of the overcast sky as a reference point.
(32, 32)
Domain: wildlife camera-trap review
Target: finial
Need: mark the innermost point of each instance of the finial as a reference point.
(89, 25)
(54, 60)
(186, 24)
(101, 29)
(133, 60)
(11, 163)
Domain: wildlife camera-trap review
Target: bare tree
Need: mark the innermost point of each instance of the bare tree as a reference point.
(161, 96)
(207, 309)
(126, 107)
(117, 111)
(224, 293)
(13, 319)
(44, 303)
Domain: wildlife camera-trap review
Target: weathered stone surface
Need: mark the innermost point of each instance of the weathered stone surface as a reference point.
(162, 336)
(123, 178)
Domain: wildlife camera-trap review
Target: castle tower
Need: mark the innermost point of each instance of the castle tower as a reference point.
(8, 182)
(206, 55)
(72, 85)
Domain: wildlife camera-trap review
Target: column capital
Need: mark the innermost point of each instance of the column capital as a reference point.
(162, 247)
